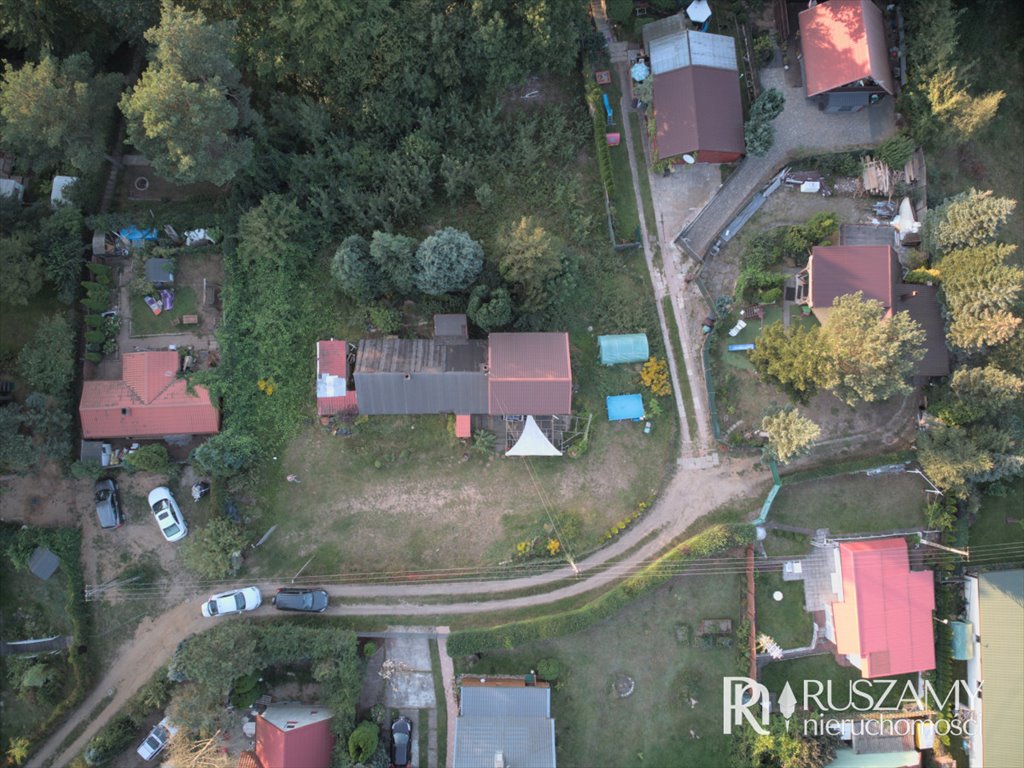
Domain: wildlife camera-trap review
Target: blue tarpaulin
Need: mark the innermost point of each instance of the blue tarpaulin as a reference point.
(136, 236)
(625, 407)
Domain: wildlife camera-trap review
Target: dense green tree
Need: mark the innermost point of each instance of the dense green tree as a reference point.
(188, 107)
(363, 741)
(395, 257)
(489, 308)
(357, 273)
(217, 657)
(961, 113)
(196, 708)
(57, 115)
(48, 418)
(62, 246)
(982, 292)
(152, 457)
(968, 219)
(46, 362)
(789, 434)
(210, 552)
(792, 358)
(16, 450)
(989, 388)
(228, 453)
(782, 747)
(951, 459)
(530, 258)
(872, 358)
(21, 269)
(896, 150)
(447, 262)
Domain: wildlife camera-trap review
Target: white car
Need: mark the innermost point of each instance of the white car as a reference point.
(156, 740)
(235, 601)
(168, 515)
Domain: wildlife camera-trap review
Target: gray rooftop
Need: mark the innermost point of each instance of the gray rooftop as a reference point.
(686, 48)
(450, 327)
(511, 722)
(43, 563)
(409, 376)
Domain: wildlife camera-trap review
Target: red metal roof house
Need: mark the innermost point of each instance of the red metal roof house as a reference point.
(845, 55)
(292, 736)
(882, 622)
(149, 401)
(332, 377)
(528, 373)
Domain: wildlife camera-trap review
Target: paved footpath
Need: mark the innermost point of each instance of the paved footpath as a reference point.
(801, 129)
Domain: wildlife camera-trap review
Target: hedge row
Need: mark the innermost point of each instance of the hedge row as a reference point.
(604, 157)
(715, 539)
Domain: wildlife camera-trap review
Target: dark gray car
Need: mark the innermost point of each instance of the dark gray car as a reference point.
(401, 742)
(108, 505)
(309, 600)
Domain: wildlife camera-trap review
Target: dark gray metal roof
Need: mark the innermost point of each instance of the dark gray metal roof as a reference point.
(408, 376)
(43, 563)
(512, 722)
(160, 270)
(450, 327)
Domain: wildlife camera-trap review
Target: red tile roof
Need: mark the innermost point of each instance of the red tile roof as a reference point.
(295, 745)
(148, 401)
(332, 379)
(462, 426)
(885, 618)
(843, 41)
(529, 373)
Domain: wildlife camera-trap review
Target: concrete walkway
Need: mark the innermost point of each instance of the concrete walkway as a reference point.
(801, 129)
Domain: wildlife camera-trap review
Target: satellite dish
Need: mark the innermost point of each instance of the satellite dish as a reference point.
(689, 159)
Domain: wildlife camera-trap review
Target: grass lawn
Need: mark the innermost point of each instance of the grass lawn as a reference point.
(637, 128)
(684, 377)
(18, 322)
(30, 608)
(785, 620)
(651, 727)
(145, 323)
(786, 544)
(852, 503)
(825, 669)
(399, 495)
(627, 220)
(991, 529)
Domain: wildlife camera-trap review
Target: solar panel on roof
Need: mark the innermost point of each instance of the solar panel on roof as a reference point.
(716, 51)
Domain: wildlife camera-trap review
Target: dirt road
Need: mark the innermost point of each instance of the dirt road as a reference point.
(690, 494)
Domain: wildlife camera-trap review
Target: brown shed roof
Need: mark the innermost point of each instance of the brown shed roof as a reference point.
(844, 41)
(922, 303)
(698, 108)
(837, 270)
(529, 373)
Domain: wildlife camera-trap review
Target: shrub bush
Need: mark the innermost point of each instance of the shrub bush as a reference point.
(549, 669)
(363, 741)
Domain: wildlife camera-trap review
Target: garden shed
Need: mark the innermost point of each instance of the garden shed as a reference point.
(623, 348)
(622, 407)
(160, 272)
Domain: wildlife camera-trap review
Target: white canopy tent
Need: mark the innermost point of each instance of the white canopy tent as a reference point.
(532, 442)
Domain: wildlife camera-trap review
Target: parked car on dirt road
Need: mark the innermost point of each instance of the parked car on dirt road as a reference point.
(233, 601)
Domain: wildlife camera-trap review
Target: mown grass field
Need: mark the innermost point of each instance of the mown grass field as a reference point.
(652, 726)
(852, 503)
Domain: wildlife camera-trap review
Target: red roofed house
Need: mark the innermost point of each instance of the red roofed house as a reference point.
(149, 401)
(291, 736)
(332, 392)
(697, 106)
(874, 270)
(845, 55)
(882, 619)
(528, 373)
